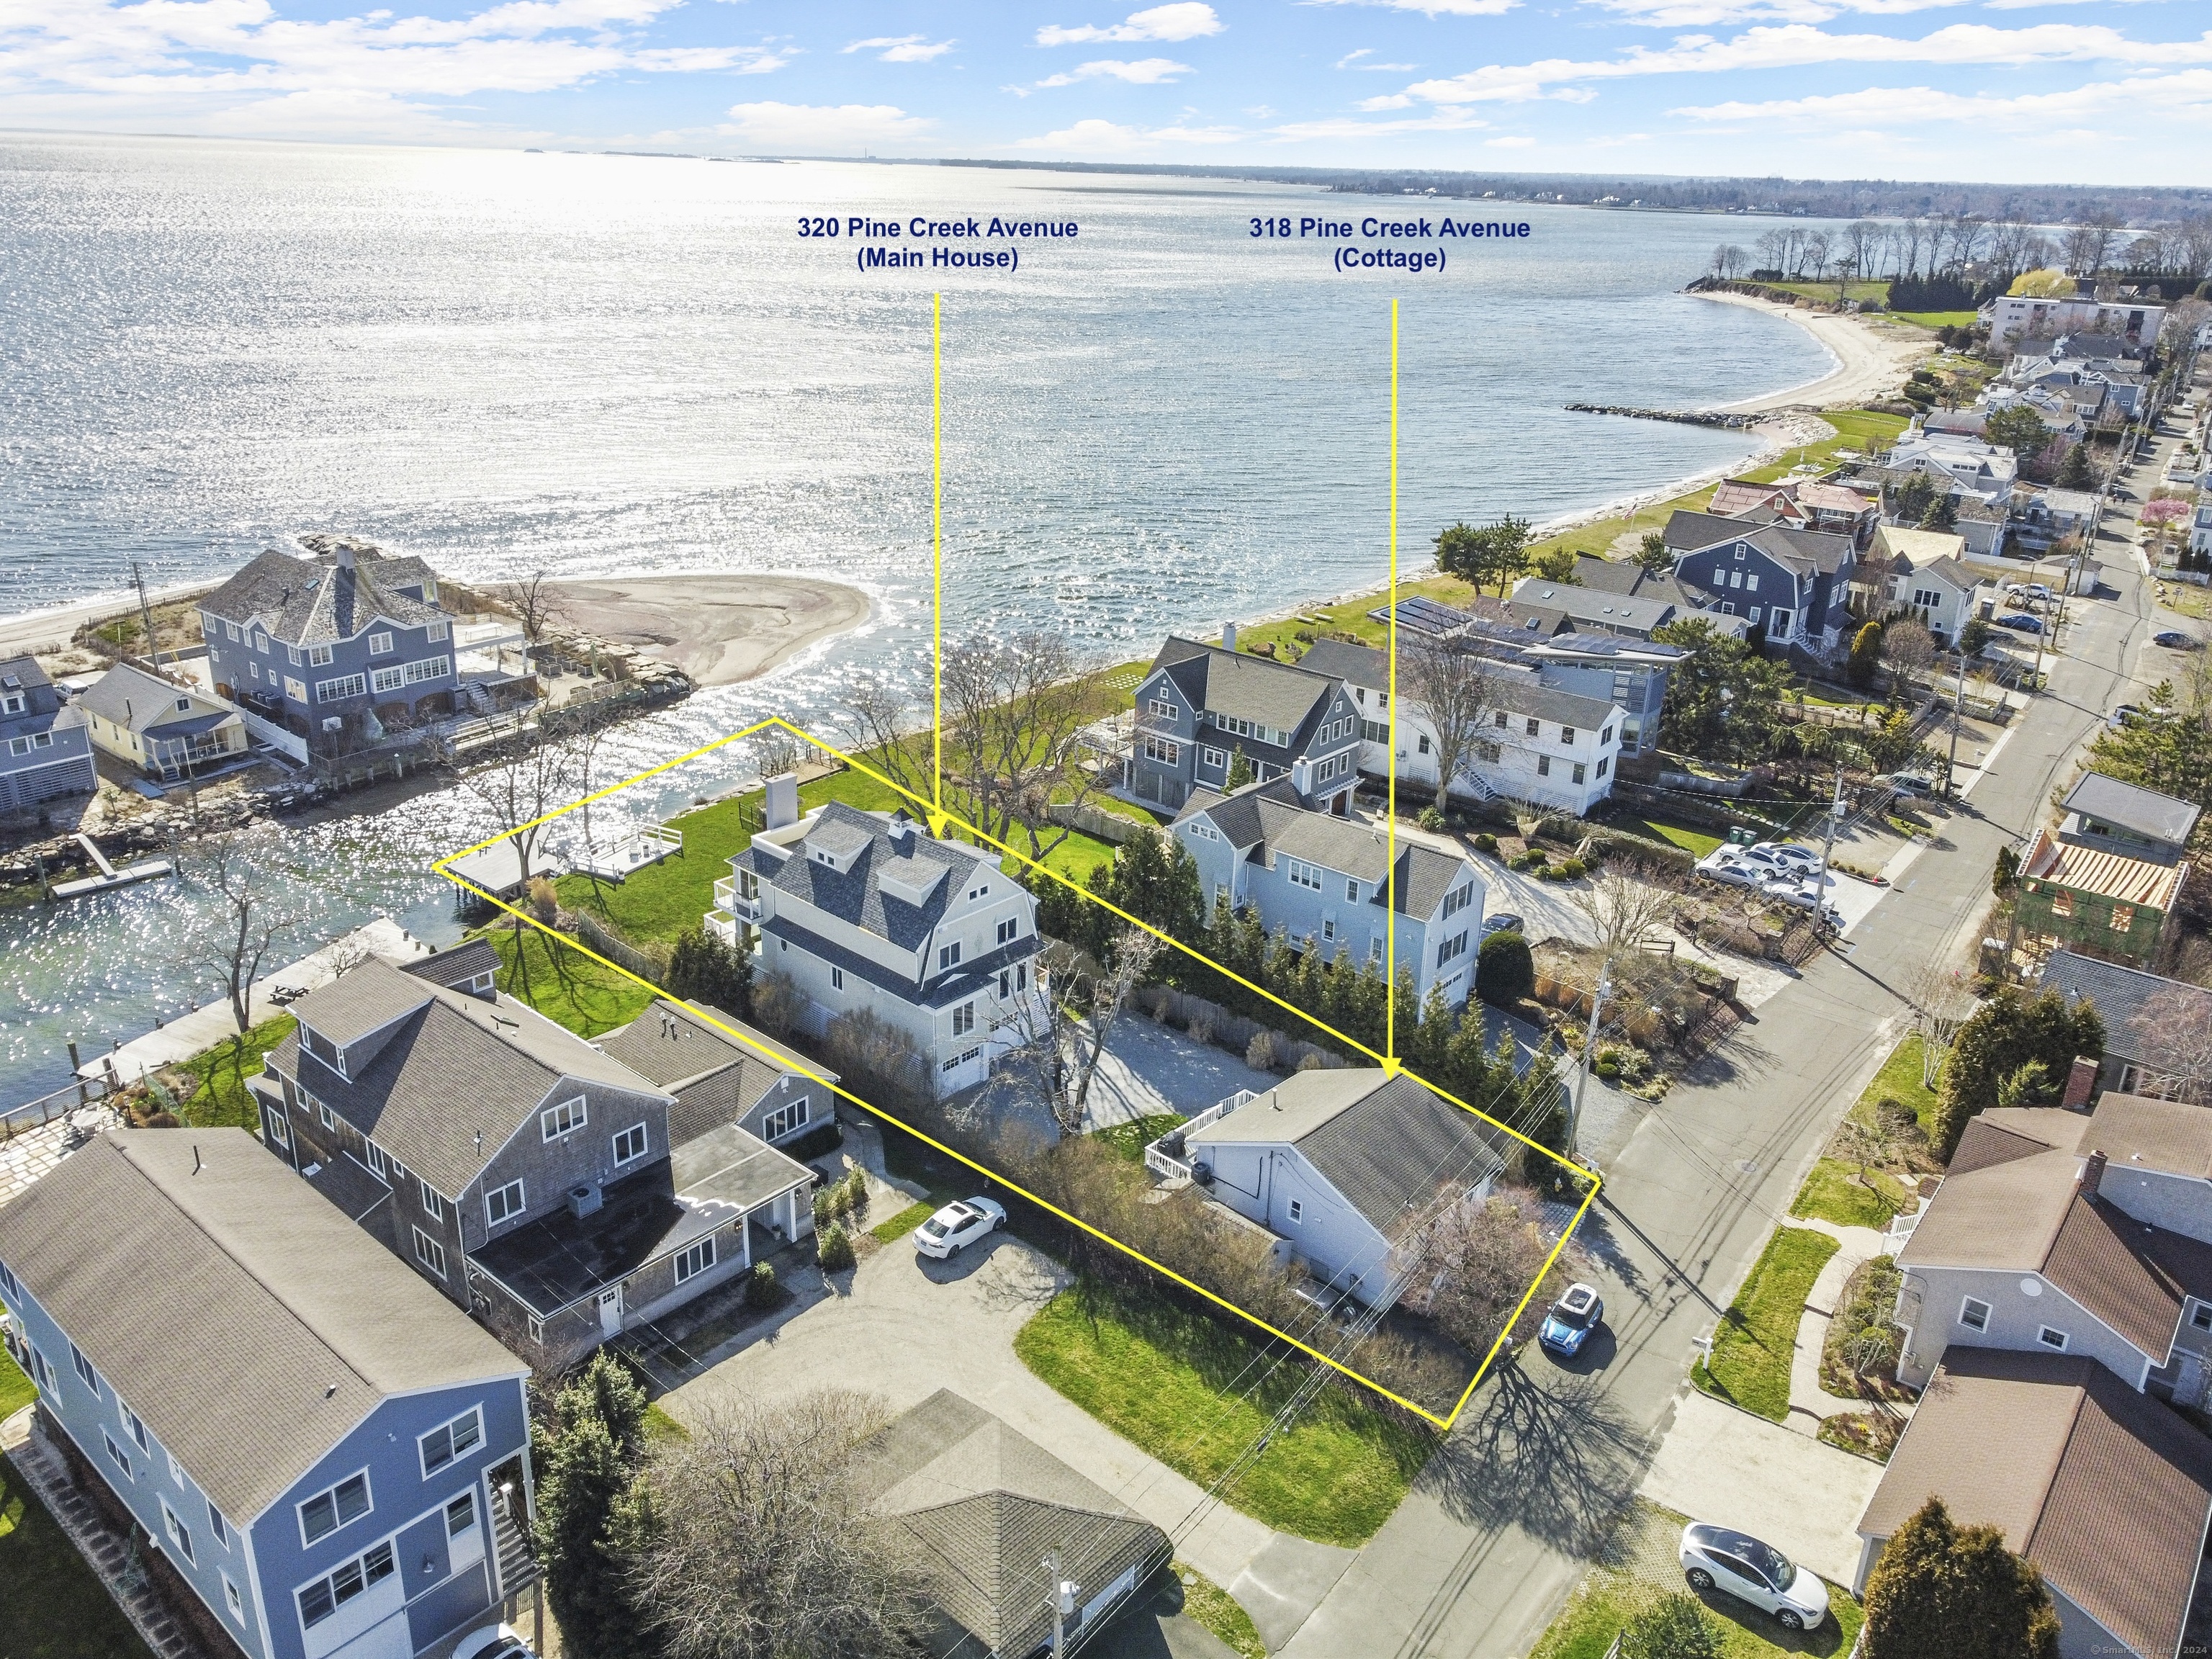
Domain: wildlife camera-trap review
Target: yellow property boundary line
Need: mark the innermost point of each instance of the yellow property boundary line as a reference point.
(442, 866)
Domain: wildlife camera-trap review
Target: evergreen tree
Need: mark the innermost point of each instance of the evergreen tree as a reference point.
(1941, 1591)
(1155, 879)
(1240, 770)
(1942, 514)
(2073, 470)
(1505, 969)
(2006, 1034)
(590, 1520)
(1672, 1627)
(1651, 552)
(704, 968)
(1866, 656)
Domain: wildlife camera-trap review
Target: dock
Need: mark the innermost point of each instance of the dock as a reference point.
(636, 851)
(109, 875)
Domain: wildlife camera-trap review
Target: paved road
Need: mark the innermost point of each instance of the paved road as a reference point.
(1482, 1554)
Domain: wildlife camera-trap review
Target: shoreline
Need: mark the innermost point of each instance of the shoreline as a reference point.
(1869, 364)
(721, 627)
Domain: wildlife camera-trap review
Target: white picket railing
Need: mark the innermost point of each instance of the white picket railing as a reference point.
(1170, 1167)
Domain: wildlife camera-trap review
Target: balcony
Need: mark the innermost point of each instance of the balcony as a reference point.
(727, 898)
(1164, 1157)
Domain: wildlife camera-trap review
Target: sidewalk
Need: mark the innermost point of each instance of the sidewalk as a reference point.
(1808, 1402)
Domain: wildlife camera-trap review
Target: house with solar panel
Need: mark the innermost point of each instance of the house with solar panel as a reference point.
(1201, 705)
(330, 1456)
(2105, 880)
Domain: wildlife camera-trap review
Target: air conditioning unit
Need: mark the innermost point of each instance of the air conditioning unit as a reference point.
(333, 722)
(584, 1200)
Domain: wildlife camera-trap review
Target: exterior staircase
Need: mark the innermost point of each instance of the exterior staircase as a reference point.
(517, 1567)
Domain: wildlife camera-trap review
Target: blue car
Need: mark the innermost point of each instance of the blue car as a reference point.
(1570, 1322)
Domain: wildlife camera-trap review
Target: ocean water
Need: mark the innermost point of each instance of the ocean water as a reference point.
(589, 364)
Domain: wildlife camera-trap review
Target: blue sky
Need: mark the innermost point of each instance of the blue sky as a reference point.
(2064, 90)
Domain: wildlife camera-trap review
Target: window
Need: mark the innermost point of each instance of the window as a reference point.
(1751, 582)
(84, 1369)
(1010, 929)
(42, 1371)
(136, 1429)
(1214, 760)
(230, 630)
(1328, 929)
(319, 1600)
(1423, 745)
(376, 1158)
(1374, 949)
(353, 685)
(630, 1144)
(176, 1471)
(1297, 1209)
(1351, 892)
(1161, 709)
(434, 632)
(1543, 766)
(836, 979)
(1780, 620)
(295, 689)
(1605, 737)
(963, 1020)
(1005, 983)
(1974, 1314)
(564, 1119)
(292, 651)
(1602, 766)
(461, 1515)
(1579, 769)
(947, 955)
(692, 1262)
(1567, 735)
(387, 679)
(8, 1283)
(430, 1253)
(2052, 1339)
(1458, 899)
(2201, 1316)
(1535, 726)
(1735, 579)
(429, 668)
(232, 1600)
(450, 1440)
(379, 644)
(1741, 550)
(1502, 718)
(1300, 874)
(261, 643)
(217, 1527)
(179, 1535)
(433, 1203)
(1451, 949)
(503, 1202)
(280, 1131)
(1727, 607)
(1164, 750)
(122, 1458)
(327, 1511)
(781, 1122)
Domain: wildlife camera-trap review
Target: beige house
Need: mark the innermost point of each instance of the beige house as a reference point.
(166, 730)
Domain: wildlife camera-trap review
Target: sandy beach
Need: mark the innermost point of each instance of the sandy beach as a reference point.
(718, 628)
(1871, 359)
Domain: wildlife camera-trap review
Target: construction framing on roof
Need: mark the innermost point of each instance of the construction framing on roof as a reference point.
(1590, 1182)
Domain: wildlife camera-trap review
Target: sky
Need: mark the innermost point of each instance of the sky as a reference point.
(2068, 91)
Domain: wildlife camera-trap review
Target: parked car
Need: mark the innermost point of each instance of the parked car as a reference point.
(1788, 855)
(2020, 623)
(2026, 591)
(1910, 783)
(1570, 1322)
(1503, 921)
(1723, 865)
(493, 1641)
(1715, 1558)
(2127, 711)
(2174, 639)
(957, 1225)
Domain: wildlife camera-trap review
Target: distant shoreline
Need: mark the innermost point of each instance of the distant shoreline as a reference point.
(1870, 364)
(719, 627)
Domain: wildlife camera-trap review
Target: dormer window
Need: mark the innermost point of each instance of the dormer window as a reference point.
(828, 859)
(184, 705)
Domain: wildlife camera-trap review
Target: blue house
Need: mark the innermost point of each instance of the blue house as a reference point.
(1795, 584)
(341, 648)
(45, 749)
(1199, 706)
(331, 1455)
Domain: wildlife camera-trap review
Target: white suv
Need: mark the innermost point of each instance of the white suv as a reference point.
(1713, 1558)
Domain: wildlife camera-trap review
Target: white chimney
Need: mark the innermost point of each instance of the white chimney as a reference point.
(345, 556)
(1229, 636)
(782, 803)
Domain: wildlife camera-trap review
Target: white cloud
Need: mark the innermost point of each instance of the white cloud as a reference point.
(1185, 21)
(1097, 137)
(2188, 92)
(1450, 119)
(1429, 8)
(1143, 72)
(1350, 61)
(817, 128)
(1703, 13)
(901, 48)
(1514, 141)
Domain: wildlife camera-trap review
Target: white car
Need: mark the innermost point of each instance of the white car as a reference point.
(957, 1225)
(1723, 864)
(1715, 1558)
(1790, 854)
(494, 1642)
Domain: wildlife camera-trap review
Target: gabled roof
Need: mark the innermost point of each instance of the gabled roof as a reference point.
(2120, 994)
(678, 1046)
(1268, 815)
(128, 696)
(975, 1506)
(2105, 1490)
(1516, 691)
(22, 673)
(318, 600)
(2135, 1132)
(1914, 548)
(1806, 551)
(1654, 605)
(1735, 496)
(852, 891)
(454, 1067)
(456, 964)
(1606, 576)
(249, 1323)
(2144, 812)
(1389, 1145)
(1243, 686)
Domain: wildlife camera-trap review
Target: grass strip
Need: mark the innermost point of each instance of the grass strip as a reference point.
(56, 1607)
(1206, 1603)
(563, 984)
(1129, 1140)
(222, 1098)
(1832, 1192)
(1750, 1364)
(1899, 1081)
(903, 1223)
(1177, 1385)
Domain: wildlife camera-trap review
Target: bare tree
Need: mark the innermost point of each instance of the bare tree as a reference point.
(1468, 1264)
(774, 752)
(1911, 235)
(760, 1546)
(1866, 1142)
(1863, 240)
(1772, 245)
(2193, 240)
(1063, 1032)
(1907, 649)
(527, 775)
(1453, 688)
(535, 600)
(2176, 1026)
(238, 926)
(1624, 909)
(1942, 1002)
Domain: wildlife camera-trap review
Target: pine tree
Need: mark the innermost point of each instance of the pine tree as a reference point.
(2073, 470)
(588, 1455)
(1941, 1591)
(1866, 656)
(2006, 1032)
(1240, 770)
(704, 968)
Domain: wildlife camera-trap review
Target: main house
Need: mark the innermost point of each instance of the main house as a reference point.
(341, 648)
(1345, 1165)
(1537, 743)
(330, 1457)
(1927, 578)
(165, 729)
(1791, 583)
(1325, 882)
(45, 751)
(1201, 705)
(867, 913)
(529, 1174)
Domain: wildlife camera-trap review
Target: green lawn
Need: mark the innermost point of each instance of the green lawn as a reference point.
(16, 1390)
(565, 986)
(1899, 1081)
(1832, 1192)
(1130, 1138)
(1750, 1365)
(1611, 1595)
(1874, 288)
(1177, 1385)
(1695, 842)
(221, 1072)
(56, 1608)
(1206, 1603)
(903, 1223)
(1937, 319)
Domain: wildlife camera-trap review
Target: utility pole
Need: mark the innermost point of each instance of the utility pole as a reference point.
(145, 612)
(1589, 1056)
(1828, 847)
(1958, 702)
(1061, 1593)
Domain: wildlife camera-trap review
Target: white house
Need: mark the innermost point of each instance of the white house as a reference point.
(870, 911)
(1926, 576)
(1539, 744)
(1977, 469)
(1343, 1165)
(2013, 317)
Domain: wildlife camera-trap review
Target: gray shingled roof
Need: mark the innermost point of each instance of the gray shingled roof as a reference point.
(1268, 815)
(2120, 994)
(1516, 692)
(138, 702)
(316, 601)
(455, 1066)
(1245, 687)
(1641, 612)
(1807, 550)
(2144, 811)
(456, 964)
(853, 891)
(24, 670)
(974, 1507)
(716, 1078)
(246, 1322)
(1390, 1146)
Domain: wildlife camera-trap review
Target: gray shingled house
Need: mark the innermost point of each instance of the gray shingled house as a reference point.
(340, 647)
(1793, 583)
(45, 751)
(2132, 1002)
(529, 1175)
(975, 1507)
(1200, 704)
(768, 1089)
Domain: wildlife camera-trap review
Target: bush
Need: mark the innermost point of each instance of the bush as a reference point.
(1568, 869)
(760, 1287)
(1259, 1053)
(823, 1138)
(1505, 970)
(1486, 842)
(833, 1248)
(703, 969)
(1672, 1627)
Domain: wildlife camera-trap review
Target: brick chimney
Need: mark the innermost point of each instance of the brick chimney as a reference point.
(2081, 1084)
(2093, 1175)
